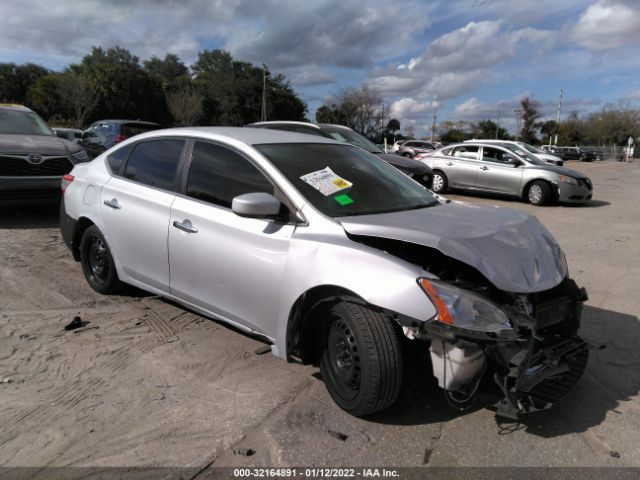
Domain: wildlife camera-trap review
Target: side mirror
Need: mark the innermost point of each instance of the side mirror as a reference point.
(255, 205)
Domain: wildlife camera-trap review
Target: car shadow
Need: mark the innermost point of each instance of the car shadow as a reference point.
(611, 377)
(45, 214)
(494, 196)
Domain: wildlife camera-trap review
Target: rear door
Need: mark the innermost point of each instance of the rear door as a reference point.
(229, 265)
(499, 171)
(135, 205)
(460, 165)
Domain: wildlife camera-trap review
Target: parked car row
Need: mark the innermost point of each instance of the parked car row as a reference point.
(573, 153)
(337, 259)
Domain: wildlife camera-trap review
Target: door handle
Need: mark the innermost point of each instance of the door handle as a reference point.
(484, 168)
(185, 226)
(450, 164)
(113, 203)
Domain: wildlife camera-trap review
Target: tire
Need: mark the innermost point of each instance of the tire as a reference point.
(97, 263)
(439, 182)
(539, 193)
(361, 362)
(407, 154)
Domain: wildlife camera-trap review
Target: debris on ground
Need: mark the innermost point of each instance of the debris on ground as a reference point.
(338, 435)
(75, 323)
(245, 452)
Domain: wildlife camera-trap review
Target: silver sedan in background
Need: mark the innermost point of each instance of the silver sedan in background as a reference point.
(506, 169)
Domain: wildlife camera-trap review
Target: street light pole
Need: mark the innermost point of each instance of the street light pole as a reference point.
(518, 113)
(433, 124)
(557, 120)
(498, 124)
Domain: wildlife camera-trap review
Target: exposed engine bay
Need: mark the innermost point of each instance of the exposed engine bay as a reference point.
(525, 344)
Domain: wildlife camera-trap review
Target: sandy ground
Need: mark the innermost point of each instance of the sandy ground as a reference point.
(147, 383)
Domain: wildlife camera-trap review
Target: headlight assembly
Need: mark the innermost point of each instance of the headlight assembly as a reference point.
(569, 180)
(463, 309)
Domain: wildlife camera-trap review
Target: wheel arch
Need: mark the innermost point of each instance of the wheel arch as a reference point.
(552, 186)
(81, 226)
(304, 324)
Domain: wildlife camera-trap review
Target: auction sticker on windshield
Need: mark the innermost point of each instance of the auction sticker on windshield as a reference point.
(326, 181)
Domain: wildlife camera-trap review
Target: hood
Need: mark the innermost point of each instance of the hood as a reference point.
(547, 156)
(404, 163)
(42, 144)
(561, 170)
(513, 250)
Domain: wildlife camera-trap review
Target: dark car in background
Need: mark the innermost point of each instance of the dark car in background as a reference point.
(71, 134)
(104, 134)
(32, 158)
(420, 172)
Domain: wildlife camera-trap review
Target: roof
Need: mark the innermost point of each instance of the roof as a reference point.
(284, 122)
(14, 106)
(121, 120)
(246, 135)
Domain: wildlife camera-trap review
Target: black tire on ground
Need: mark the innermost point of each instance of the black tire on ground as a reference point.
(439, 183)
(361, 362)
(539, 193)
(406, 154)
(97, 262)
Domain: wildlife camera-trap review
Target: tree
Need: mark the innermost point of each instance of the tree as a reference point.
(185, 104)
(548, 129)
(44, 96)
(486, 129)
(393, 125)
(233, 91)
(530, 116)
(15, 81)
(78, 93)
(410, 132)
(167, 72)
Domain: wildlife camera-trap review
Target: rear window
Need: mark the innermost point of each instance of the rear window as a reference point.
(155, 163)
(131, 129)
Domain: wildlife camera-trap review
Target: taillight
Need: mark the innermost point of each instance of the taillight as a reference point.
(119, 138)
(66, 181)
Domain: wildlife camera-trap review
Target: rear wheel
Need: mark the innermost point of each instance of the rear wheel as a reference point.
(361, 364)
(539, 193)
(439, 182)
(97, 262)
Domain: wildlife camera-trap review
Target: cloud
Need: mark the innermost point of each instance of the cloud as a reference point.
(408, 108)
(458, 61)
(608, 24)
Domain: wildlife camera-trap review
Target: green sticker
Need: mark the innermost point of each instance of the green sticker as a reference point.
(343, 199)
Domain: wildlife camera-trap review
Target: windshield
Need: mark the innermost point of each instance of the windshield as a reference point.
(22, 123)
(342, 180)
(530, 148)
(524, 153)
(349, 136)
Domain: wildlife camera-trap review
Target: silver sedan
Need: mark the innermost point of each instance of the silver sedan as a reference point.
(506, 169)
(335, 258)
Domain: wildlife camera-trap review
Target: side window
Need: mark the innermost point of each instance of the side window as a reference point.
(218, 174)
(155, 163)
(117, 158)
(465, 151)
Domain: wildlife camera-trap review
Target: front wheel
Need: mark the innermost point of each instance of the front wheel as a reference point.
(361, 364)
(539, 193)
(97, 263)
(439, 182)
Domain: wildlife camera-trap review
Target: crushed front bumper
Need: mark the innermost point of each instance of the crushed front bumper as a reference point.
(539, 378)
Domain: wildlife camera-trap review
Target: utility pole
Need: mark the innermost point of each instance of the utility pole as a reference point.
(263, 116)
(518, 113)
(557, 120)
(433, 124)
(498, 124)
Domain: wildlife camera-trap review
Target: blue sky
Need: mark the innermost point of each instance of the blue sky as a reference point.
(468, 58)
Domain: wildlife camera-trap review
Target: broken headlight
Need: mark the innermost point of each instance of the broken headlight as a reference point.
(463, 309)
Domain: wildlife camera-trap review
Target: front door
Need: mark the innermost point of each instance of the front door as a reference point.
(228, 265)
(499, 172)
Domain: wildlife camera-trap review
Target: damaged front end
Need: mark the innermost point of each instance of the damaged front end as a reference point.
(526, 344)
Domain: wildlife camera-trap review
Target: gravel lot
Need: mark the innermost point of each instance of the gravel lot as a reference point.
(148, 383)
